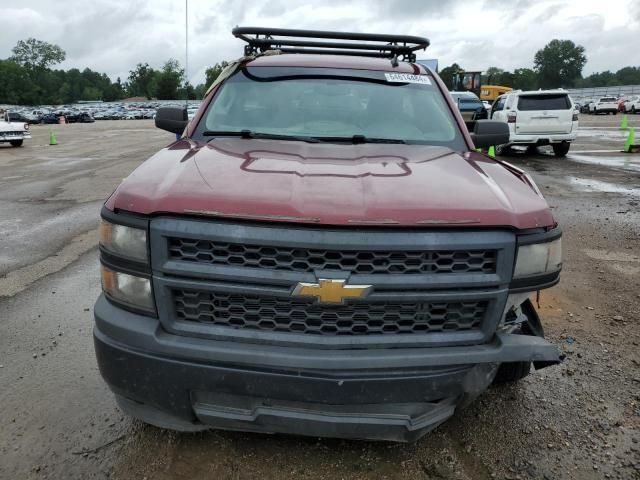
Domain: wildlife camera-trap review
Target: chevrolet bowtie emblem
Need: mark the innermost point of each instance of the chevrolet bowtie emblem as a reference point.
(331, 291)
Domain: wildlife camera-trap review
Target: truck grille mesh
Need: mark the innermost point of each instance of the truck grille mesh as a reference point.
(310, 260)
(306, 317)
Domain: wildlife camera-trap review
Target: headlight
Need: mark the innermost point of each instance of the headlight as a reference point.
(128, 242)
(538, 258)
(129, 290)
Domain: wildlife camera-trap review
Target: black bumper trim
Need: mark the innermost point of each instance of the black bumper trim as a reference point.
(533, 283)
(386, 394)
(184, 396)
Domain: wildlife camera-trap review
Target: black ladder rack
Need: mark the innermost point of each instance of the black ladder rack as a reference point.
(287, 40)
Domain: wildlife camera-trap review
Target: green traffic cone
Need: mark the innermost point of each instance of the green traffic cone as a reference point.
(631, 140)
(52, 138)
(492, 152)
(625, 123)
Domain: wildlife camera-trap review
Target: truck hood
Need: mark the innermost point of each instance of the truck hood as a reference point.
(333, 184)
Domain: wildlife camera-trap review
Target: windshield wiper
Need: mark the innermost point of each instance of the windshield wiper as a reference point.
(356, 139)
(259, 135)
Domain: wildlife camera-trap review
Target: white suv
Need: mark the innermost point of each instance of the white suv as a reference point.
(632, 104)
(536, 118)
(604, 105)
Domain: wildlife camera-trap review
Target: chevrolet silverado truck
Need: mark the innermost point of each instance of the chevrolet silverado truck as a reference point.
(323, 252)
(13, 132)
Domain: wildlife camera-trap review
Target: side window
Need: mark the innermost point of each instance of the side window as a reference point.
(509, 103)
(499, 105)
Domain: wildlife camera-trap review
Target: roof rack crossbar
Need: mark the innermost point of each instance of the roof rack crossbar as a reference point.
(319, 51)
(271, 43)
(393, 46)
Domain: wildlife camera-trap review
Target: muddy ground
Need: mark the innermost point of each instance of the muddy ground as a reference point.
(578, 420)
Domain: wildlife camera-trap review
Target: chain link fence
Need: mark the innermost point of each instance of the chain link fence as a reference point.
(617, 91)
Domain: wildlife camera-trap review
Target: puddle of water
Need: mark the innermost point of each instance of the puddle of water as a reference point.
(614, 134)
(596, 151)
(626, 161)
(590, 185)
(60, 162)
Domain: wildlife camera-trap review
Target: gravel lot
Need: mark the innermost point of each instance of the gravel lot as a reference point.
(578, 420)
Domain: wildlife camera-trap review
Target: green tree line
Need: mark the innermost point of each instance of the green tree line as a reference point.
(28, 78)
(558, 64)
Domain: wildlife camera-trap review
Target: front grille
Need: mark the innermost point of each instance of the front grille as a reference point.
(306, 317)
(310, 259)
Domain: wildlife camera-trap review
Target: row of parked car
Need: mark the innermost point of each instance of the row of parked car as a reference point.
(51, 117)
(609, 105)
(88, 113)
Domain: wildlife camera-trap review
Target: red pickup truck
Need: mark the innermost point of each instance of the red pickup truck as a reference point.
(323, 252)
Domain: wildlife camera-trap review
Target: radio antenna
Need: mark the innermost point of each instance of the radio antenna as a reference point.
(186, 52)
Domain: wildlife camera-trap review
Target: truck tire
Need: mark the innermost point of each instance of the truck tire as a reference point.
(16, 143)
(561, 149)
(514, 371)
(503, 149)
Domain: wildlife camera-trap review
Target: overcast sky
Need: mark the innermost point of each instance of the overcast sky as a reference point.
(113, 35)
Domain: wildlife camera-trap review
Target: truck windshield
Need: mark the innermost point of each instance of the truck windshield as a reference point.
(331, 104)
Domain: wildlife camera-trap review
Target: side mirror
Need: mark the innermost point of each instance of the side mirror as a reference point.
(489, 133)
(172, 119)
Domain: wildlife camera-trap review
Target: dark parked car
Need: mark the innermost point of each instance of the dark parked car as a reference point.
(17, 117)
(49, 118)
(471, 108)
(82, 117)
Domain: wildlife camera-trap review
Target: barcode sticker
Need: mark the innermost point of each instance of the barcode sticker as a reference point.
(407, 78)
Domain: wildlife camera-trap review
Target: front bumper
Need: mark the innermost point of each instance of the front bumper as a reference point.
(12, 136)
(188, 383)
(541, 139)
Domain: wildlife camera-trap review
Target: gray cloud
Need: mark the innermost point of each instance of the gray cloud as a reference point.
(113, 35)
(415, 8)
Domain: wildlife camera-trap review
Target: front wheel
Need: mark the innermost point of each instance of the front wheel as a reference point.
(560, 149)
(503, 149)
(513, 371)
(16, 143)
(615, 113)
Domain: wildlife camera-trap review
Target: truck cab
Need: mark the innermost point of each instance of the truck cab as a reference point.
(322, 252)
(468, 81)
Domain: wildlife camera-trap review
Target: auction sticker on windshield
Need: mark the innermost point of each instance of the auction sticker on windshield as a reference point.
(407, 78)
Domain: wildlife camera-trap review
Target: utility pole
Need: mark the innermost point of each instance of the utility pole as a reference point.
(186, 52)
